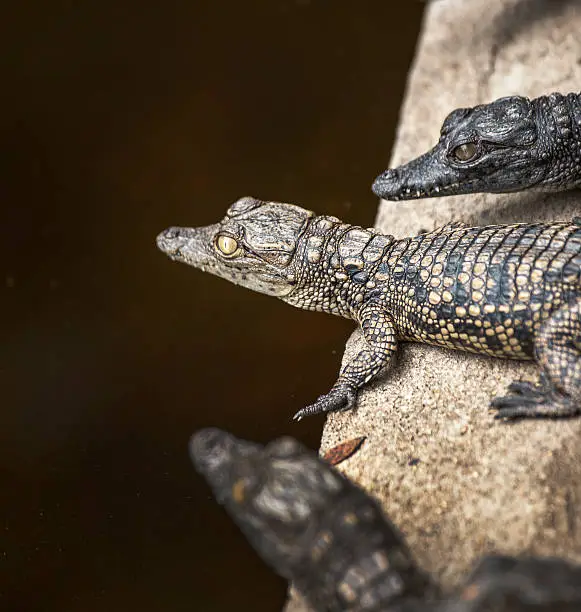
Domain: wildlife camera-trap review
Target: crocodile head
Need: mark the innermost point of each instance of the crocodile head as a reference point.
(252, 246)
(489, 148)
(274, 493)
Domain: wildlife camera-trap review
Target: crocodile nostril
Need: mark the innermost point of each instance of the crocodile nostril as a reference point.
(385, 182)
(211, 449)
(172, 233)
(203, 442)
(166, 240)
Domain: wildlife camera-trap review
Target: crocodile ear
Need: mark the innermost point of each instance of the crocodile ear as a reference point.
(508, 121)
(453, 119)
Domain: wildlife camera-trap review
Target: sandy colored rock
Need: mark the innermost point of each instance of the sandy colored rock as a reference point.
(456, 482)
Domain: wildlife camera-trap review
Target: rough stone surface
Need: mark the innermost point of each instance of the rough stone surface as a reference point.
(479, 485)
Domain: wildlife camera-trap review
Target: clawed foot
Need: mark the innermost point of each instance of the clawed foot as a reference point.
(339, 398)
(530, 400)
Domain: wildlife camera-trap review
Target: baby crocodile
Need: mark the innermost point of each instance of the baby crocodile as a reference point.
(317, 529)
(511, 291)
(309, 523)
(511, 144)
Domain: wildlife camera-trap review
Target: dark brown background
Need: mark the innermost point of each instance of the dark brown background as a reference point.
(117, 120)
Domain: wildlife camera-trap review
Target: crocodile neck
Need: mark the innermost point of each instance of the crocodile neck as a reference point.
(559, 119)
(335, 265)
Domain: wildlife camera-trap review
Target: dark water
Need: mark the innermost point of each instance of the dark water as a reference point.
(119, 119)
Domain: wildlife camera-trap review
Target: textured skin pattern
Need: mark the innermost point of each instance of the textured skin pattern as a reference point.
(511, 144)
(309, 523)
(509, 291)
(508, 584)
(326, 535)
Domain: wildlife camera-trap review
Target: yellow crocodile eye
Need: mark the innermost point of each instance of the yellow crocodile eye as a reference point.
(465, 152)
(227, 245)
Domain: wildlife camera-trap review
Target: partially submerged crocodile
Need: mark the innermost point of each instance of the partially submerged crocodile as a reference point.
(511, 144)
(319, 530)
(511, 291)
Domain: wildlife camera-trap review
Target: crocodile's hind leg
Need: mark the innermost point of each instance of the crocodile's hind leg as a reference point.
(558, 353)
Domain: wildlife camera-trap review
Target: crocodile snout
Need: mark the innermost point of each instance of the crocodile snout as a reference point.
(386, 184)
(207, 448)
(171, 239)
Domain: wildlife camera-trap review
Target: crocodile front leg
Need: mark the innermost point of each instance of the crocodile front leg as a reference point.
(558, 352)
(379, 334)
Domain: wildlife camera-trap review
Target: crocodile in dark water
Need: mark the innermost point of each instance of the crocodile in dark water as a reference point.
(511, 291)
(317, 529)
(511, 144)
